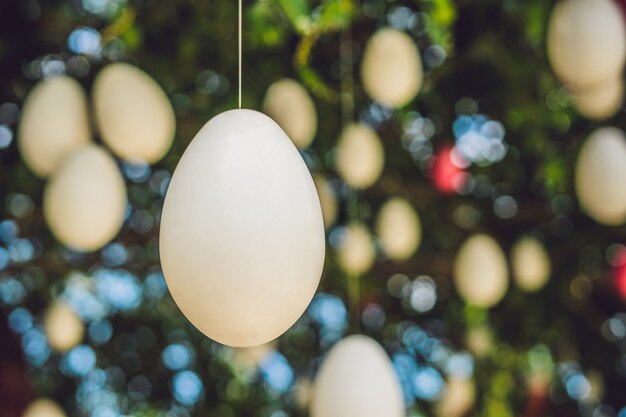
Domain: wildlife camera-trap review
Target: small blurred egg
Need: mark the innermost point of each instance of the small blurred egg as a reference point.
(360, 156)
(600, 101)
(85, 200)
(600, 175)
(291, 106)
(63, 328)
(457, 399)
(399, 229)
(133, 114)
(357, 379)
(391, 70)
(328, 200)
(242, 238)
(356, 254)
(44, 407)
(302, 392)
(480, 271)
(479, 340)
(531, 264)
(586, 41)
(54, 122)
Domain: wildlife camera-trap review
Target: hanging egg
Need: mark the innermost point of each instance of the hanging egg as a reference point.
(600, 175)
(54, 122)
(531, 264)
(63, 328)
(291, 106)
(357, 379)
(586, 41)
(43, 407)
(458, 398)
(360, 156)
(242, 236)
(600, 101)
(85, 200)
(356, 253)
(399, 229)
(328, 201)
(391, 70)
(133, 114)
(480, 271)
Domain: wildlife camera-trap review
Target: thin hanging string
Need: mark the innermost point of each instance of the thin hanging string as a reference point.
(239, 33)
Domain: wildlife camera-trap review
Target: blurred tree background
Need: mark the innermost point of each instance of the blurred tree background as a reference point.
(560, 351)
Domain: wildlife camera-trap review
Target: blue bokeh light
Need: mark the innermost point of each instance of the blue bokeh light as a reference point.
(427, 383)
(118, 288)
(20, 320)
(79, 361)
(177, 356)
(85, 40)
(187, 387)
(277, 372)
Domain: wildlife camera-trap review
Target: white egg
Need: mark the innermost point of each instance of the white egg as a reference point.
(327, 198)
(399, 229)
(242, 236)
(291, 106)
(85, 201)
(586, 41)
(54, 122)
(360, 157)
(356, 254)
(63, 328)
(357, 379)
(133, 114)
(391, 70)
(43, 407)
(480, 271)
(457, 399)
(601, 174)
(531, 264)
(600, 101)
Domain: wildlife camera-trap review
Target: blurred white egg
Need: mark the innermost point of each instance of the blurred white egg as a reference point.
(327, 198)
(291, 106)
(479, 340)
(360, 155)
(457, 399)
(242, 235)
(356, 254)
(399, 229)
(586, 41)
(302, 392)
(54, 122)
(601, 174)
(85, 200)
(63, 328)
(600, 101)
(531, 264)
(480, 271)
(391, 70)
(357, 379)
(44, 407)
(133, 114)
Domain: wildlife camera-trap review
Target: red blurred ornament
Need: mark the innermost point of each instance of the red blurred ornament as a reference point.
(447, 170)
(619, 260)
